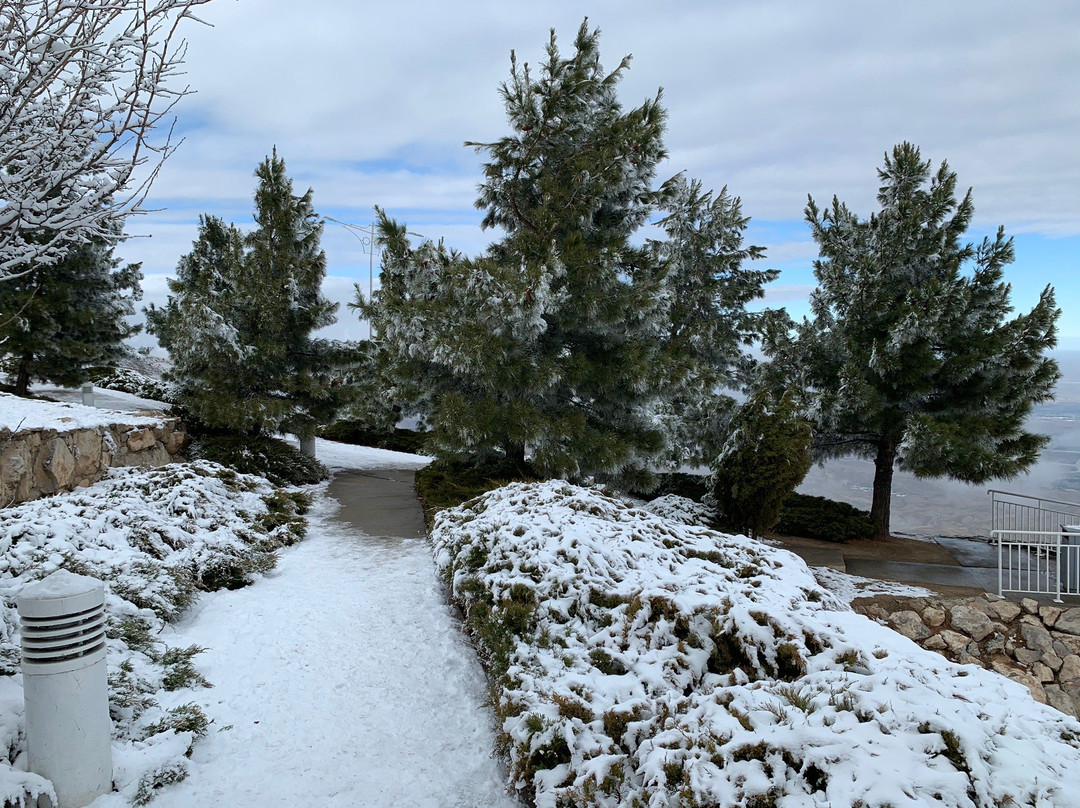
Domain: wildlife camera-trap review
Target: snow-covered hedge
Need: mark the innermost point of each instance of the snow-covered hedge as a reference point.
(156, 538)
(127, 380)
(641, 662)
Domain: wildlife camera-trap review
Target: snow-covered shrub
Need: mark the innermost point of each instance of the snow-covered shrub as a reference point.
(640, 662)
(131, 381)
(156, 538)
(765, 458)
(680, 509)
(279, 462)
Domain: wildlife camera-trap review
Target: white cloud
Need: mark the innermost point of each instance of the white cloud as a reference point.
(370, 104)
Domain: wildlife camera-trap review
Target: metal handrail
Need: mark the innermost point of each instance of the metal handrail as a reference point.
(1058, 533)
(1037, 499)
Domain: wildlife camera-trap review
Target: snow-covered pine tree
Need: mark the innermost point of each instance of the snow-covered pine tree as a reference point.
(558, 337)
(458, 343)
(707, 329)
(285, 267)
(62, 319)
(570, 187)
(197, 327)
(910, 358)
(239, 322)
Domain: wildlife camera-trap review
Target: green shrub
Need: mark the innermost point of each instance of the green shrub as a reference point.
(821, 518)
(185, 718)
(357, 433)
(179, 669)
(691, 486)
(765, 457)
(448, 483)
(274, 459)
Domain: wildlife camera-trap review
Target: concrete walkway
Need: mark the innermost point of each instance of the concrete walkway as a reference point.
(379, 503)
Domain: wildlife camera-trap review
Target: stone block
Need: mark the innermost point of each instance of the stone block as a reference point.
(954, 640)
(1029, 605)
(87, 444)
(1003, 667)
(58, 465)
(1065, 644)
(933, 617)
(1051, 660)
(1042, 673)
(971, 621)
(1069, 622)
(1005, 610)
(909, 624)
(1036, 638)
(1059, 699)
(1027, 656)
(1070, 669)
(1049, 615)
(934, 643)
(139, 439)
(173, 438)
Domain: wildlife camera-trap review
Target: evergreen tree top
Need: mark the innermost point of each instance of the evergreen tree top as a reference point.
(574, 157)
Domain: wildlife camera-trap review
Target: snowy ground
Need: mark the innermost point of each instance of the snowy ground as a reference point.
(23, 413)
(116, 400)
(341, 680)
(336, 456)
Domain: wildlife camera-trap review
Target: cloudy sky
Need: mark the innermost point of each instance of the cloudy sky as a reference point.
(370, 104)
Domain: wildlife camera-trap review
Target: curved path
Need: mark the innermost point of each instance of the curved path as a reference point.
(342, 678)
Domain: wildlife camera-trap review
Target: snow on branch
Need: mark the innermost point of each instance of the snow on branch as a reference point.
(83, 85)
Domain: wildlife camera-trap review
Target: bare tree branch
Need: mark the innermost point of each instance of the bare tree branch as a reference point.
(83, 86)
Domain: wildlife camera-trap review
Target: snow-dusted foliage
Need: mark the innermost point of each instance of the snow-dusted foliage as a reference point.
(707, 330)
(764, 459)
(68, 316)
(157, 538)
(573, 339)
(911, 358)
(641, 662)
(82, 87)
(680, 509)
(128, 380)
(460, 340)
(241, 312)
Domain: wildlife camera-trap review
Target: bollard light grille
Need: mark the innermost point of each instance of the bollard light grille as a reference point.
(52, 641)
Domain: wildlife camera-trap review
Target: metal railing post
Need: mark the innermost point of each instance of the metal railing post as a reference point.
(1000, 587)
(1057, 570)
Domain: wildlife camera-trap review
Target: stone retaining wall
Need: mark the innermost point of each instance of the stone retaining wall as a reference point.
(1036, 645)
(34, 463)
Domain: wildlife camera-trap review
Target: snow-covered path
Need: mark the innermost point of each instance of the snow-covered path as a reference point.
(341, 679)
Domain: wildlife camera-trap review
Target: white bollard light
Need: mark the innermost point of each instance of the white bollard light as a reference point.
(68, 730)
(88, 394)
(307, 446)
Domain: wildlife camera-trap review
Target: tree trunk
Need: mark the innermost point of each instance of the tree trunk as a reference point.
(22, 378)
(515, 453)
(883, 474)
